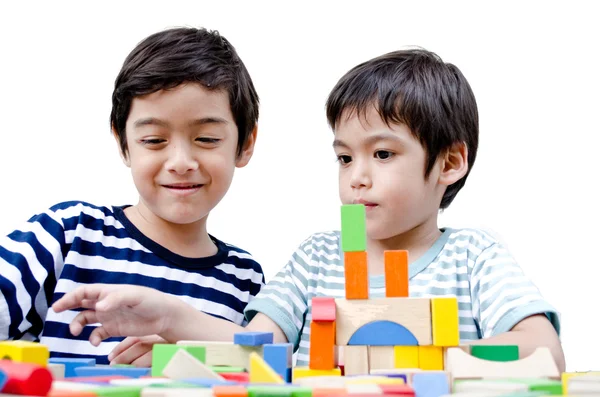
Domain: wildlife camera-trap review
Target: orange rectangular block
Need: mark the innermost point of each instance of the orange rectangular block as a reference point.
(396, 273)
(229, 391)
(356, 274)
(322, 345)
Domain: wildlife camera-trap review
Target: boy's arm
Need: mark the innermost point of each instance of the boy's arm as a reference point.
(28, 259)
(508, 307)
(529, 334)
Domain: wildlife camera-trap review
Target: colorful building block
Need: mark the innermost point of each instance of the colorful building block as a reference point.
(131, 372)
(183, 365)
(496, 352)
(356, 275)
(354, 228)
(25, 378)
(356, 360)
(230, 391)
(162, 353)
(323, 308)
(406, 356)
(279, 357)
(253, 338)
(304, 372)
(24, 352)
(72, 363)
(444, 321)
(431, 358)
(430, 384)
(396, 273)
(260, 372)
(383, 333)
(322, 345)
(381, 357)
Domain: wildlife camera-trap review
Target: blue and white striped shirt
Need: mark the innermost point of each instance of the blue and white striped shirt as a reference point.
(75, 243)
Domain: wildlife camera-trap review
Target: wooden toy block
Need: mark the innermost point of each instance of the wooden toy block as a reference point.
(252, 338)
(25, 378)
(406, 357)
(132, 372)
(397, 390)
(279, 357)
(271, 390)
(57, 370)
(374, 380)
(174, 392)
(566, 376)
(141, 381)
(363, 389)
(226, 368)
(488, 385)
(225, 353)
(539, 364)
(241, 377)
(327, 391)
(354, 228)
(396, 273)
(260, 372)
(24, 352)
(184, 365)
(431, 358)
(414, 314)
(584, 385)
(381, 357)
(430, 383)
(205, 382)
(444, 321)
(356, 275)
(304, 372)
(72, 363)
(383, 333)
(323, 308)
(71, 393)
(230, 391)
(163, 353)
(356, 360)
(322, 345)
(496, 352)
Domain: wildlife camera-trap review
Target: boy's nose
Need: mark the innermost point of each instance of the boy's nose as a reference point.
(360, 177)
(181, 160)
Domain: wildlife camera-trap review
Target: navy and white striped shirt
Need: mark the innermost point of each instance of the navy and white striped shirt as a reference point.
(75, 243)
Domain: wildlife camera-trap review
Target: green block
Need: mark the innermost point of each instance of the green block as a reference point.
(118, 391)
(162, 354)
(302, 391)
(271, 391)
(354, 228)
(224, 368)
(554, 389)
(496, 352)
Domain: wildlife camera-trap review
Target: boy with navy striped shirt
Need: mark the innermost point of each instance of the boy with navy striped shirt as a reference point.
(184, 116)
(405, 134)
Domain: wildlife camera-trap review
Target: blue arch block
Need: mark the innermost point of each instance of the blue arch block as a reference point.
(383, 333)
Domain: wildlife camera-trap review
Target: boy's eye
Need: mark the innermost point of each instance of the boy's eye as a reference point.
(152, 141)
(208, 140)
(383, 154)
(344, 159)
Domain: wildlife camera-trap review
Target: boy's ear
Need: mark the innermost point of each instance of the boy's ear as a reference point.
(454, 164)
(124, 157)
(244, 157)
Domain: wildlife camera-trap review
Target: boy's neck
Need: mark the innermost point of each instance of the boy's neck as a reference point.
(416, 241)
(188, 240)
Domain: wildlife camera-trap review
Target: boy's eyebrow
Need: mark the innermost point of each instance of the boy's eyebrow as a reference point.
(154, 121)
(370, 140)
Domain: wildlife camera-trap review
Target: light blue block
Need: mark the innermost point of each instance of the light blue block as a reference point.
(433, 384)
(72, 363)
(279, 357)
(253, 338)
(131, 372)
(383, 333)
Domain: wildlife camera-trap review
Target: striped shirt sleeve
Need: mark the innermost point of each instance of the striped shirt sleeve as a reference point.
(502, 295)
(29, 257)
(284, 298)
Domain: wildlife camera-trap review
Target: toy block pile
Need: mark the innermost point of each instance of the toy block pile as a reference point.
(393, 346)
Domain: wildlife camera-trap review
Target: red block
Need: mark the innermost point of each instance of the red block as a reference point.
(323, 308)
(242, 377)
(26, 378)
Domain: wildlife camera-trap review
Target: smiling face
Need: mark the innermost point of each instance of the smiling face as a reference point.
(383, 167)
(182, 152)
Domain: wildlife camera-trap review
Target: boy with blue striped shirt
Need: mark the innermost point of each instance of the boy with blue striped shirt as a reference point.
(406, 135)
(184, 117)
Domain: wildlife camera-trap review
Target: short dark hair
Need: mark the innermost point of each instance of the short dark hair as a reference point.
(413, 87)
(171, 57)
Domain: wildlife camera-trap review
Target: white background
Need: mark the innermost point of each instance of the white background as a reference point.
(533, 66)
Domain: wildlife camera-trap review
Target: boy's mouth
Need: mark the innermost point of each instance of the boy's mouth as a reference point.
(184, 186)
(367, 204)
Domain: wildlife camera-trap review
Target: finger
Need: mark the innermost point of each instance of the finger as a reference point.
(122, 346)
(82, 319)
(73, 299)
(133, 353)
(144, 361)
(88, 303)
(117, 299)
(98, 335)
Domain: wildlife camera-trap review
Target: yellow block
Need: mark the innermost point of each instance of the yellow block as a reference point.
(261, 372)
(565, 376)
(406, 356)
(431, 357)
(24, 352)
(305, 372)
(374, 380)
(444, 321)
